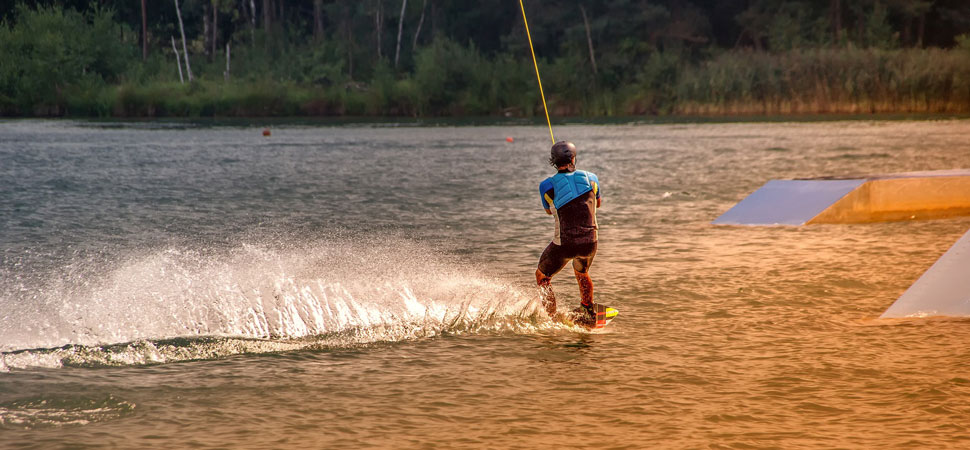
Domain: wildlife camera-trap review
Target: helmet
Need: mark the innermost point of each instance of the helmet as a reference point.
(562, 153)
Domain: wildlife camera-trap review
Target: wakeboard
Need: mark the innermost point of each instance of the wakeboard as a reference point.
(603, 316)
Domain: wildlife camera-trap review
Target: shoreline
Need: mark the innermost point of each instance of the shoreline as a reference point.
(476, 121)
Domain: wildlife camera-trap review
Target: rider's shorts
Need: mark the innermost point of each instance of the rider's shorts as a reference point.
(555, 257)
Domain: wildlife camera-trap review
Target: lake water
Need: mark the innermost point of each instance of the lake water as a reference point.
(184, 285)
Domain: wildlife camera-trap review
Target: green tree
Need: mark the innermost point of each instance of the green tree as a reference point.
(49, 51)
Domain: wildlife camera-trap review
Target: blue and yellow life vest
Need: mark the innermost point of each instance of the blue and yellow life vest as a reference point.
(569, 185)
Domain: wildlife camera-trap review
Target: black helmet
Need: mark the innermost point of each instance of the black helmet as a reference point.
(562, 153)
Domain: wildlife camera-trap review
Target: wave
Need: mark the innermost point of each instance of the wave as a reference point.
(177, 304)
(56, 411)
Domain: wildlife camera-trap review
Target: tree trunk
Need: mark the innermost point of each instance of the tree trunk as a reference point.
(318, 20)
(267, 15)
(252, 17)
(228, 52)
(379, 23)
(905, 37)
(400, 29)
(206, 32)
(860, 26)
(589, 40)
(836, 6)
(215, 27)
(144, 32)
(434, 20)
(185, 48)
(350, 48)
(281, 18)
(921, 30)
(417, 33)
(178, 61)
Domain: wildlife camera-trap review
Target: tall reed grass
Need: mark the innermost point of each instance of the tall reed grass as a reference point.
(455, 80)
(828, 81)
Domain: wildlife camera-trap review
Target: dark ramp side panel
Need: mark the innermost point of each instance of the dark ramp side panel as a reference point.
(944, 290)
(787, 202)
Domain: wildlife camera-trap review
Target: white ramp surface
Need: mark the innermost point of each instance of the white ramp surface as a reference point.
(944, 290)
(787, 202)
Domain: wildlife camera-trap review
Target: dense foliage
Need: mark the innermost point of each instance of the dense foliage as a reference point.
(448, 57)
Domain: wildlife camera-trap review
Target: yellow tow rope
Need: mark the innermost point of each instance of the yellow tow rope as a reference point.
(538, 78)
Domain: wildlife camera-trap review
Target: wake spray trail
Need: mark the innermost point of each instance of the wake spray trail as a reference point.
(179, 303)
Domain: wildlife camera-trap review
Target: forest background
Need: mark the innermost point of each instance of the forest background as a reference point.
(155, 58)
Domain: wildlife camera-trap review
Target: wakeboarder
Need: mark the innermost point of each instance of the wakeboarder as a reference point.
(572, 197)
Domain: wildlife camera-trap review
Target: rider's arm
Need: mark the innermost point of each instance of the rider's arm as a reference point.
(545, 191)
(596, 190)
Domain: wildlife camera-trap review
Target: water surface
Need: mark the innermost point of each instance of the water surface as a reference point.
(177, 285)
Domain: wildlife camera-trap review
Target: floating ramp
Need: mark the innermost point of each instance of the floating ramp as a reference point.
(883, 198)
(943, 290)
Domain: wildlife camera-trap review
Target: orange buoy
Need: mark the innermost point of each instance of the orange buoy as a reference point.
(510, 139)
(266, 132)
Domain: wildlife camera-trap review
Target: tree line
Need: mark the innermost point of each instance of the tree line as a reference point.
(446, 57)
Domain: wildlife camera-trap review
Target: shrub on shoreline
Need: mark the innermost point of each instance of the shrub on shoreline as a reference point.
(827, 81)
(845, 81)
(60, 62)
